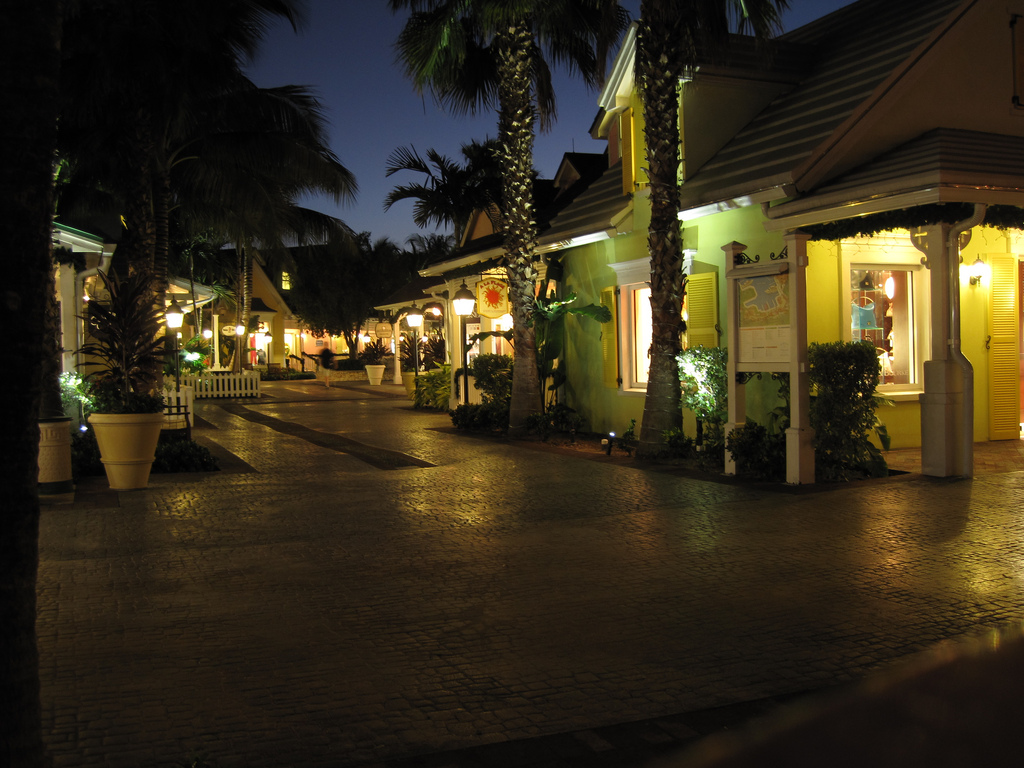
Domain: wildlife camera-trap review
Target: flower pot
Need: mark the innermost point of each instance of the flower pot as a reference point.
(55, 457)
(409, 380)
(375, 373)
(127, 443)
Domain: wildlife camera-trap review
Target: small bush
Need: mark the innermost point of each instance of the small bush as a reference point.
(173, 454)
(678, 445)
(286, 375)
(556, 418)
(481, 417)
(374, 352)
(844, 376)
(757, 452)
(176, 454)
(348, 364)
(434, 389)
(493, 376)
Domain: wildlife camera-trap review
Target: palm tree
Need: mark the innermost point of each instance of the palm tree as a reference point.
(211, 148)
(138, 76)
(672, 37)
(429, 249)
(29, 65)
(480, 53)
(451, 192)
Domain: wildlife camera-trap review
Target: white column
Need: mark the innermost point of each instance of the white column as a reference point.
(737, 391)
(942, 401)
(799, 436)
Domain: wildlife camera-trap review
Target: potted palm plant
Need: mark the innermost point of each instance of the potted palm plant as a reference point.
(373, 355)
(125, 346)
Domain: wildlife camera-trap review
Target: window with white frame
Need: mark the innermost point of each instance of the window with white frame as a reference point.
(635, 325)
(885, 302)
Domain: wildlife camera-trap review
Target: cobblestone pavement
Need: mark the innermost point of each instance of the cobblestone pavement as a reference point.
(308, 608)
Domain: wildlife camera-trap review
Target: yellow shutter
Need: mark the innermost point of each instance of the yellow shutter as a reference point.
(702, 310)
(1004, 353)
(609, 341)
(628, 151)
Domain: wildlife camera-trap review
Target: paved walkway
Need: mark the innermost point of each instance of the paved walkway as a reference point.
(324, 602)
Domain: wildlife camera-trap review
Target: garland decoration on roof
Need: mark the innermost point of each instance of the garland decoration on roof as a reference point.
(998, 216)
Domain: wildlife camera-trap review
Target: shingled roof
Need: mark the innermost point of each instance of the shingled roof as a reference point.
(859, 48)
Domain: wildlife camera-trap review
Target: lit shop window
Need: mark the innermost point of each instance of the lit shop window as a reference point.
(286, 281)
(882, 312)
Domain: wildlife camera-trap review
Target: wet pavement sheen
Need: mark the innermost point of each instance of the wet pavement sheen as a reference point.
(307, 608)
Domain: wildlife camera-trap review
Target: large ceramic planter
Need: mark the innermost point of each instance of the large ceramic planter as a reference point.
(55, 457)
(127, 443)
(375, 373)
(409, 380)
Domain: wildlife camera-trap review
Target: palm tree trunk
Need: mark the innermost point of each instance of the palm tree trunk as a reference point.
(29, 63)
(515, 137)
(138, 242)
(658, 89)
(162, 236)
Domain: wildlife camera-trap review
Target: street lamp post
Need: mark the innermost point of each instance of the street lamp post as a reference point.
(239, 332)
(463, 302)
(174, 317)
(414, 318)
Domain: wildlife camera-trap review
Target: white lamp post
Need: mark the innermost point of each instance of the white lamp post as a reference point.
(463, 302)
(175, 317)
(414, 319)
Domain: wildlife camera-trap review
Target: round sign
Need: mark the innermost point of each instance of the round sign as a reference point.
(382, 330)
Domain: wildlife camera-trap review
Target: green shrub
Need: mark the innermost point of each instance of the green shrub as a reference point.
(349, 364)
(176, 454)
(493, 377)
(481, 417)
(627, 440)
(705, 383)
(844, 376)
(758, 453)
(374, 352)
(285, 374)
(434, 389)
(75, 396)
(173, 454)
(557, 417)
(677, 444)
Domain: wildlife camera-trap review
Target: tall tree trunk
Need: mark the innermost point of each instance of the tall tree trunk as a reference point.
(138, 241)
(29, 64)
(659, 83)
(515, 137)
(162, 237)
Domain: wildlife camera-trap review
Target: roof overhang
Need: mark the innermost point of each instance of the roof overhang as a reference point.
(783, 217)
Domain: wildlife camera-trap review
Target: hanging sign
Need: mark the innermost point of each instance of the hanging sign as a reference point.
(492, 298)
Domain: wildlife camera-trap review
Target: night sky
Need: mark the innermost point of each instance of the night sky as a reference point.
(345, 52)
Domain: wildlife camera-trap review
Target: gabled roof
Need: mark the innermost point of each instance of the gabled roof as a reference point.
(580, 170)
(602, 208)
(861, 49)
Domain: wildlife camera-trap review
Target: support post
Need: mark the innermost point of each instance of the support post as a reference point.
(799, 436)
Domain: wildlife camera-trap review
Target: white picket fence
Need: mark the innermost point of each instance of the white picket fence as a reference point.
(244, 384)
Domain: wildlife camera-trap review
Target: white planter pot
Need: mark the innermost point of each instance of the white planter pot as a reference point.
(127, 443)
(375, 373)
